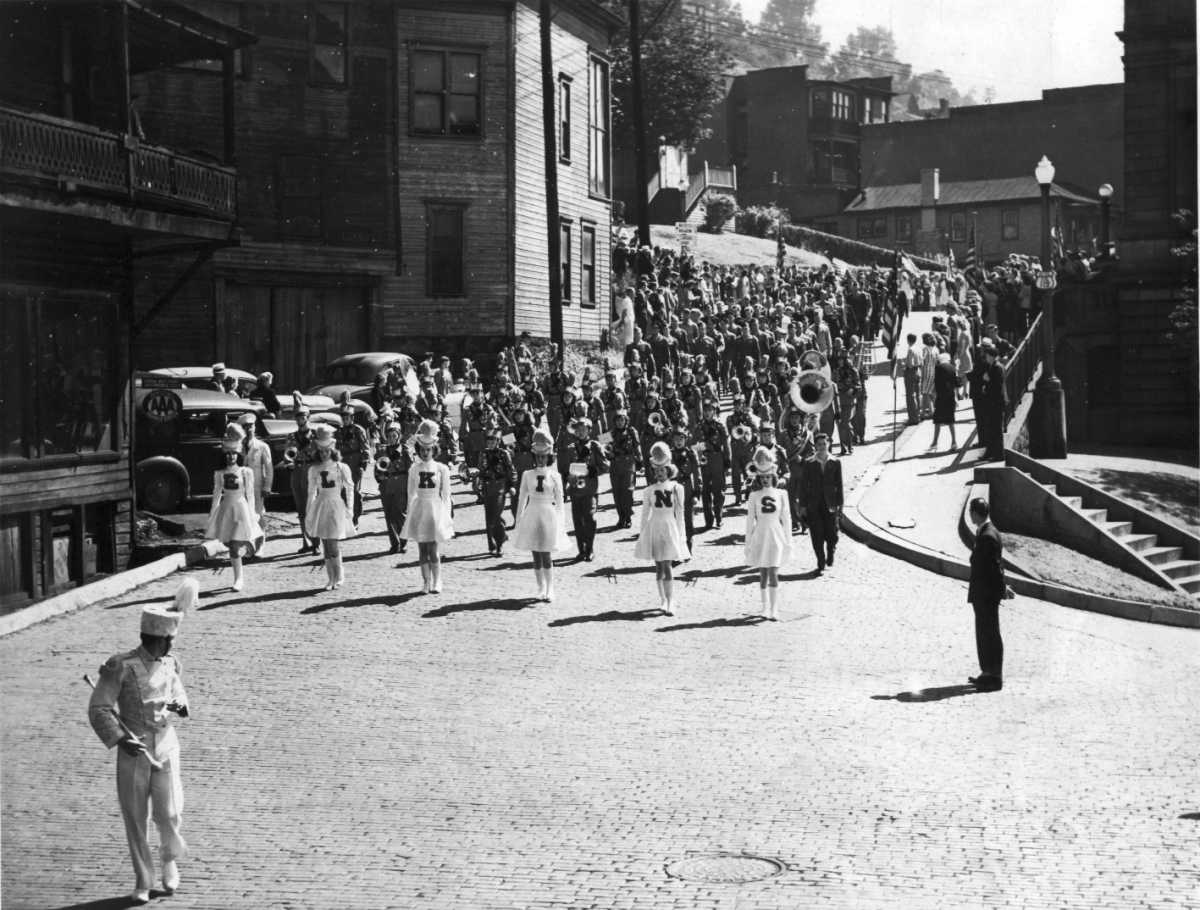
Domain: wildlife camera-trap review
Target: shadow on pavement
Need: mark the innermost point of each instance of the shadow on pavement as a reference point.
(810, 575)
(509, 603)
(391, 601)
(613, 571)
(724, 623)
(1172, 495)
(609, 616)
(934, 694)
(105, 903)
(1190, 816)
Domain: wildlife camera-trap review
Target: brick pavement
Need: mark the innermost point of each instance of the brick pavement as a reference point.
(374, 747)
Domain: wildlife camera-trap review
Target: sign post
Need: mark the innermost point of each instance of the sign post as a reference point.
(686, 235)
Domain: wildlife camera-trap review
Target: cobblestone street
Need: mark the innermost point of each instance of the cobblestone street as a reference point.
(375, 747)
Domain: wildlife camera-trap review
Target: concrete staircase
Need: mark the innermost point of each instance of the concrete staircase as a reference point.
(1143, 543)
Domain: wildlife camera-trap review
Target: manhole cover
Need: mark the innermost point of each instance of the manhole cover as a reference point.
(725, 868)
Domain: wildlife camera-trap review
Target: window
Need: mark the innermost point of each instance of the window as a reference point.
(874, 227)
(299, 197)
(599, 163)
(843, 105)
(59, 369)
(587, 264)
(904, 228)
(564, 258)
(874, 110)
(820, 103)
(327, 42)
(958, 226)
(444, 243)
(880, 226)
(564, 118)
(227, 12)
(446, 93)
(1010, 224)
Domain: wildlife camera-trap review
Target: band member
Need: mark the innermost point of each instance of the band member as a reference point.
(821, 492)
(625, 455)
(612, 398)
(594, 410)
(134, 705)
(742, 428)
(858, 423)
(556, 384)
(688, 466)
(672, 406)
(257, 457)
(392, 478)
(657, 429)
(429, 520)
(474, 419)
(768, 530)
(662, 537)
(497, 479)
(690, 397)
(429, 403)
(715, 467)
(535, 401)
(541, 526)
(233, 518)
(636, 388)
(587, 461)
(330, 514)
(798, 445)
(766, 440)
(847, 384)
(300, 443)
(522, 431)
(355, 449)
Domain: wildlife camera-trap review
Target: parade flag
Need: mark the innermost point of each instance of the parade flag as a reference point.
(969, 260)
(1057, 250)
(892, 317)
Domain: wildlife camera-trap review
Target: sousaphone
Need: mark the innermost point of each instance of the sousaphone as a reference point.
(812, 392)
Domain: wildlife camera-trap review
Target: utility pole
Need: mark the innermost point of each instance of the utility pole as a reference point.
(639, 123)
(550, 146)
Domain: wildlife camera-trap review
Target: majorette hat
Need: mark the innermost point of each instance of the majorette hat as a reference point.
(234, 437)
(764, 462)
(660, 457)
(163, 621)
(542, 443)
(427, 433)
(322, 436)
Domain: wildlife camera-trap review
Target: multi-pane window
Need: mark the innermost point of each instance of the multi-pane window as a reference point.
(904, 228)
(599, 158)
(447, 93)
(327, 41)
(1010, 224)
(819, 103)
(444, 243)
(564, 118)
(587, 264)
(564, 258)
(874, 110)
(872, 228)
(958, 226)
(843, 105)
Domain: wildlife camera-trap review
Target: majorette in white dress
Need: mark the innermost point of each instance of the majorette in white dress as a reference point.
(768, 528)
(232, 518)
(541, 513)
(662, 536)
(428, 519)
(330, 492)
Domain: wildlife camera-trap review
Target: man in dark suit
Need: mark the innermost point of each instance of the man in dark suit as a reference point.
(993, 398)
(821, 495)
(987, 588)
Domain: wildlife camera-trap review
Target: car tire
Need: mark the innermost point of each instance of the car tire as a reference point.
(161, 492)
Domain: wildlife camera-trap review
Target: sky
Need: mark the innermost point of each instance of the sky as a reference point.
(1018, 46)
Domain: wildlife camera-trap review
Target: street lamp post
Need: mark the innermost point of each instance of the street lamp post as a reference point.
(1105, 192)
(1048, 430)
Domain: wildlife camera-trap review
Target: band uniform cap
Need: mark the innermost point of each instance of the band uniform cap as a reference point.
(766, 427)
(218, 368)
(164, 620)
(582, 423)
(344, 402)
(248, 419)
(266, 377)
(660, 455)
(427, 433)
(298, 405)
(542, 443)
(763, 461)
(322, 436)
(234, 436)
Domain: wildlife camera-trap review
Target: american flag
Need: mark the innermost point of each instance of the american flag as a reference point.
(969, 259)
(892, 317)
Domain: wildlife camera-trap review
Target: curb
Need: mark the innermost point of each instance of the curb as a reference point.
(113, 586)
(864, 530)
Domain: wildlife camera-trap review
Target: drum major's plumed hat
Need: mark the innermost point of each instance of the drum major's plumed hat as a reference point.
(322, 436)
(542, 443)
(164, 621)
(427, 433)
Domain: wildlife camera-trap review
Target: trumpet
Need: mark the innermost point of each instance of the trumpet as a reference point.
(382, 463)
(289, 455)
(657, 422)
(741, 433)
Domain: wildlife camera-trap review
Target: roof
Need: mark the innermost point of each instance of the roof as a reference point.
(963, 192)
(205, 400)
(371, 358)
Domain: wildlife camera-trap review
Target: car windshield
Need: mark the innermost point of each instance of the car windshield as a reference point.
(351, 374)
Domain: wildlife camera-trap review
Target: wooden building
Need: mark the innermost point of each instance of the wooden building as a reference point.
(83, 199)
(391, 182)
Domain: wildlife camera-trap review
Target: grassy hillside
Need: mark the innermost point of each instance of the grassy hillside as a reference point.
(731, 249)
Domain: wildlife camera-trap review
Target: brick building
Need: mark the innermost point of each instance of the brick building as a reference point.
(391, 182)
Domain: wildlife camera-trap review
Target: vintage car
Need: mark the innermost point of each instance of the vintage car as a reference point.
(177, 440)
(200, 377)
(355, 373)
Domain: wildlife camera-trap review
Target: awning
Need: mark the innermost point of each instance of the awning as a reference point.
(164, 32)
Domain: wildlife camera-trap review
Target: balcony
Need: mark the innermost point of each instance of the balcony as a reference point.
(81, 159)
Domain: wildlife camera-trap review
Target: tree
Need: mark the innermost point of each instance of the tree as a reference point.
(868, 52)
(683, 73)
(789, 24)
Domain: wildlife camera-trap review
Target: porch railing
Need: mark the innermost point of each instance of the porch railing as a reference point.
(75, 155)
(718, 178)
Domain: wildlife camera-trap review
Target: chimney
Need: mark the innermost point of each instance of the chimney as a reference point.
(930, 187)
